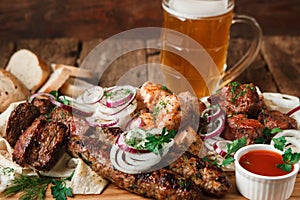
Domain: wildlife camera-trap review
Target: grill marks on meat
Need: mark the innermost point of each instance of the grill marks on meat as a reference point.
(209, 178)
(247, 114)
(20, 119)
(236, 98)
(239, 126)
(159, 184)
(274, 118)
(41, 144)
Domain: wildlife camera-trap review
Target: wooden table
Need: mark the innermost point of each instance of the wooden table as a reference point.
(276, 69)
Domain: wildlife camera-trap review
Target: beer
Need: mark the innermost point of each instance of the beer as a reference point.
(208, 23)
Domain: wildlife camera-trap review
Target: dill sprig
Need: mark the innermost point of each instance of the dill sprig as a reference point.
(30, 187)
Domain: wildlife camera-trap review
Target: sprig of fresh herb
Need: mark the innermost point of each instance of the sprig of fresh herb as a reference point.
(267, 135)
(30, 187)
(34, 187)
(57, 96)
(231, 149)
(288, 157)
(155, 143)
(59, 190)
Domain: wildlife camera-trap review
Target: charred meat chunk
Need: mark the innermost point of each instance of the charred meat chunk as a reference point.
(273, 118)
(41, 144)
(21, 118)
(76, 125)
(236, 98)
(239, 126)
(158, 184)
(44, 105)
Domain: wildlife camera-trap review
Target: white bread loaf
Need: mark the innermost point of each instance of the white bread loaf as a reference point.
(73, 87)
(56, 80)
(75, 71)
(29, 69)
(11, 89)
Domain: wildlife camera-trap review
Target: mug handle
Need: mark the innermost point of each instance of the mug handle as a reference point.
(250, 55)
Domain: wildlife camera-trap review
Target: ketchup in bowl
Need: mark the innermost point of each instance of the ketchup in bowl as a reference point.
(262, 162)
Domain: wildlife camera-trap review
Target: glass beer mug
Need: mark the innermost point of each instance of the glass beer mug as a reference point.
(207, 22)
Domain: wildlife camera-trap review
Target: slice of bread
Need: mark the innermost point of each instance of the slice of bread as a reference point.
(73, 87)
(11, 89)
(29, 69)
(76, 71)
(56, 80)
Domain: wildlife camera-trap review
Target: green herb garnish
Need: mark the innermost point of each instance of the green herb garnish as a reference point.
(232, 148)
(34, 187)
(289, 158)
(267, 135)
(58, 98)
(155, 143)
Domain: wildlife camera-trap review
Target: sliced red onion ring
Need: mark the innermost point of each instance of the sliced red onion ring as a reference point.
(95, 122)
(125, 147)
(211, 113)
(220, 147)
(134, 123)
(220, 122)
(291, 112)
(40, 94)
(120, 95)
(92, 95)
(128, 110)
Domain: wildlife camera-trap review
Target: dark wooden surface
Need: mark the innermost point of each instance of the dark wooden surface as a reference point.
(276, 68)
(90, 19)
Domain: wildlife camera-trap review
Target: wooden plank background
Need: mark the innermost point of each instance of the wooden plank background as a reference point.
(91, 19)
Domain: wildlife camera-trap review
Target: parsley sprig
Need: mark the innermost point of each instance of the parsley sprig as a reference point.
(231, 149)
(155, 143)
(288, 157)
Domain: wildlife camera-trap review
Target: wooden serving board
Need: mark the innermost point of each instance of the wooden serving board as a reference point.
(112, 193)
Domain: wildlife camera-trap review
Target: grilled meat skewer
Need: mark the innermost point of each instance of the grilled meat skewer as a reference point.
(158, 184)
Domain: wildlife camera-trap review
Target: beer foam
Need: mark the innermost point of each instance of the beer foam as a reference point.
(194, 9)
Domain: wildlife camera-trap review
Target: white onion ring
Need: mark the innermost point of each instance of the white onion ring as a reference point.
(92, 95)
(292, 136)
(113, 101)
(92, 121)
(134, 123)
(280, 102)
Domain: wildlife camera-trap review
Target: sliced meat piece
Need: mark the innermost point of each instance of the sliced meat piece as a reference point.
(158, 184)
(76, 125)
(21, 118)
(239, 126)
(273, 118)
(236, 98)
(41, 144)
(24, 148)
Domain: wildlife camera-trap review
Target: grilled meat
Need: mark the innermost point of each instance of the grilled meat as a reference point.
(41, 144)
(239, 126)
(44, 105)
(236, 98)
(159, 184)
(210, 179)
(21, 118)
(76, 125)
(273, 118)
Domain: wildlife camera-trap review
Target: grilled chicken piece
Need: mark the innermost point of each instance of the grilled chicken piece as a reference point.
(19, 120)
(158, 184)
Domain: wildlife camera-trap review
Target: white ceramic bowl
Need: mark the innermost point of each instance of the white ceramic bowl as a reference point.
(258, 187)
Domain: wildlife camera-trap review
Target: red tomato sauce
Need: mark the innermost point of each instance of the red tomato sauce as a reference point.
(262, 162)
